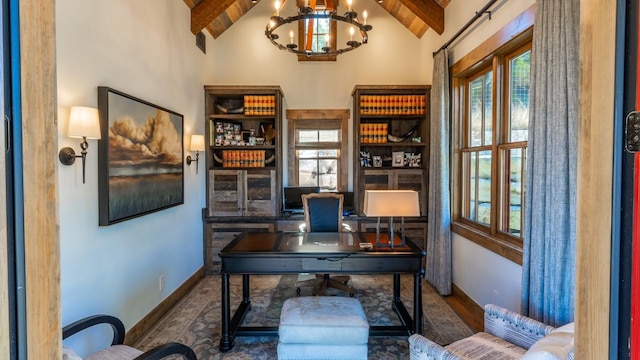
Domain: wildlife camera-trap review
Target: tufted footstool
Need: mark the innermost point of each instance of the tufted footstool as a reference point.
(322, 327)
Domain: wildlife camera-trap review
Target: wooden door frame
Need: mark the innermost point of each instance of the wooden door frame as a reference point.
(40, 177)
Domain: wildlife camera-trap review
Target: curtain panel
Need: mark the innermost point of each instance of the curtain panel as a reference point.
(438, 268)
(548, 284)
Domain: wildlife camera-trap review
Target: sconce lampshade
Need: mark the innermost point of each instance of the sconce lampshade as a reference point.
(84, 122)
(391, 203)
(197, 143)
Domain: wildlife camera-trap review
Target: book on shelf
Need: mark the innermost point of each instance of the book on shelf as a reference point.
(392, 104)
(243, 158)
(373, 133)
(262, 105)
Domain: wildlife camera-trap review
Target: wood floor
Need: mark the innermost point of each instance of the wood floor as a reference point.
(470, 312)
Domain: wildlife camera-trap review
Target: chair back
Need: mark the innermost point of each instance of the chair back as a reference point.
(323, 212)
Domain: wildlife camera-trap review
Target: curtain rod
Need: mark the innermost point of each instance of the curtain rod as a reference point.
(466, 26)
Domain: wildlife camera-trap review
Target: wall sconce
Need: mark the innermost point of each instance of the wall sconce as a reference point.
(197, 145)
(391, 203)
(84, 122)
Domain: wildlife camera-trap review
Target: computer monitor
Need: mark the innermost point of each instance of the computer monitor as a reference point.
(347, 202)
(292, 197)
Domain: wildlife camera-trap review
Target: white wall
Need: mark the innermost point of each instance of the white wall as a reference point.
(143, 48)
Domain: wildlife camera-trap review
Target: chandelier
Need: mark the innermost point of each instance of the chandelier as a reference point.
(308, 15)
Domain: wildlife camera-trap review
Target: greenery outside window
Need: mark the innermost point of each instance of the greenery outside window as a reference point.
(491, 115)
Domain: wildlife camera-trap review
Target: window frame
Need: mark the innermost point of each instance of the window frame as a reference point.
(324, 119)
(492, 55)
(333, 31)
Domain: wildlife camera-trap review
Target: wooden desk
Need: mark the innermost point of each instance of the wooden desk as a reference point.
(294, 253)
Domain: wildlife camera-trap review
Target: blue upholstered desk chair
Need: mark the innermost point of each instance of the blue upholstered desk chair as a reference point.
(323, 213)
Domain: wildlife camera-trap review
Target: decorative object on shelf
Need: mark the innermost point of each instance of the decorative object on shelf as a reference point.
(307, 13)
(377, 161)
(365, 159)
(197, 145)
(269, 134)
(413, 160)
(84, 122)
(398, 159)
(133, 169)
(403, 203)
(230, 106)
(402, 138)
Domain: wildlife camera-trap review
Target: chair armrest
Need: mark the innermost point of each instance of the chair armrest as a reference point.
(164, 350)
(513, 327)
(116, 325)
(421, 348)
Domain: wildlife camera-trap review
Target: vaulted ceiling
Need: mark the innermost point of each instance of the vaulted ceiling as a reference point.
(216, 16)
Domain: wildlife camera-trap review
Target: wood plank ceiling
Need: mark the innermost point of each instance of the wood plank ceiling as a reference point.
(216, 16)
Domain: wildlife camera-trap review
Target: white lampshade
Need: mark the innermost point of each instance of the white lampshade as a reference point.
(391, 203)
(197, 143)
(84, 122)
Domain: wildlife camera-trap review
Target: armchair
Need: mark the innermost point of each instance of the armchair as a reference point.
(323, 213)
(507, 335)
(118, 351)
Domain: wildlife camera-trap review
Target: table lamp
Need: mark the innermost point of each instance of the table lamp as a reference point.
(391, 203)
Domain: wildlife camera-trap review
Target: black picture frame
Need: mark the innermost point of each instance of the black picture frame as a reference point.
(140, 157)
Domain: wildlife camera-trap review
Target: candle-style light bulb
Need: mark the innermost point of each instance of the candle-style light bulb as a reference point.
(291, 36)
(277, 6)
(364, 16)
(326, 40)
(351, 32)
(349, 5)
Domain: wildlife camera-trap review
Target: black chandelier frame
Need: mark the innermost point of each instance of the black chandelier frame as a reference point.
(306, 13)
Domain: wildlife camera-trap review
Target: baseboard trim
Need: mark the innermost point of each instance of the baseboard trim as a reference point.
(141, 327)
(474, 309)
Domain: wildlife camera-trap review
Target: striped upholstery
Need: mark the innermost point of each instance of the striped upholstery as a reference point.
(515, 328)
(507, 336)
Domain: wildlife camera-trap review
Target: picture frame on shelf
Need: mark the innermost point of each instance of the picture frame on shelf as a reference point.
(133, 170)
(397, 159)
(377, 161)
(246, 134)
(413, 160)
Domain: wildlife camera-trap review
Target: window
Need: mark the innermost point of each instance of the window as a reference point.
(323, 34)
(491, 111)
(318, 148)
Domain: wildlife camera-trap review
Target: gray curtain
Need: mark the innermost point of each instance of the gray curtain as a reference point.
(438, 271)
(548, 284)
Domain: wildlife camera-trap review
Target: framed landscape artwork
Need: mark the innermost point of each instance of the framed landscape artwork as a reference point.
(140, 157)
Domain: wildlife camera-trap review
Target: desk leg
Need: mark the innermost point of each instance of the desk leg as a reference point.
(396, 288)
(226, 341)
(417, 303)
(245, 288)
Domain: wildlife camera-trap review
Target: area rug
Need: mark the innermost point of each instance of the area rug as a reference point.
(195, 320)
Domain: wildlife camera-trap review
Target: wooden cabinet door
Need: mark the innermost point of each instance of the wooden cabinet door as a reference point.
(413, 180)
(405, 179)
(260, 193)
(226, 191)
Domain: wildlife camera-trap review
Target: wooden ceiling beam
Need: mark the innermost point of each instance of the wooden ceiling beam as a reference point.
(429, 11)
(206, 11)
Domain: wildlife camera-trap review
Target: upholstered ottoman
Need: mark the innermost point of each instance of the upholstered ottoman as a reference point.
(322, 327)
